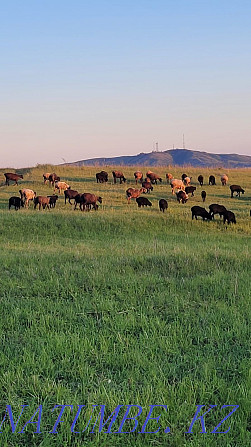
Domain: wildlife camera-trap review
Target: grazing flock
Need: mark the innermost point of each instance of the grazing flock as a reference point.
(86, 201)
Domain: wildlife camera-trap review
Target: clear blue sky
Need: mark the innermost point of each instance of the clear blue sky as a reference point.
(81, 78)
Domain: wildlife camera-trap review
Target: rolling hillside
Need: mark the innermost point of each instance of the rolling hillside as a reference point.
(178, 157)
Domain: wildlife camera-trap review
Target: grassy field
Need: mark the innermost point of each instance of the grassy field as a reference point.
(125, 306)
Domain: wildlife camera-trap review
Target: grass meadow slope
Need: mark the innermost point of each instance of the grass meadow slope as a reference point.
(125, 306)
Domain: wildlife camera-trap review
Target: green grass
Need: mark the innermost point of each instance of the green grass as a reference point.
(126, 306)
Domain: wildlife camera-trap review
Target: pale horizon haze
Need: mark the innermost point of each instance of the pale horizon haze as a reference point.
(106, 78)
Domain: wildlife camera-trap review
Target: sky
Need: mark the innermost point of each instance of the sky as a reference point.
(82, 79)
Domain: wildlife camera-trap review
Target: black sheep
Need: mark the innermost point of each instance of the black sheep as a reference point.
(237, 189)
(203, 195)
(17, 202)
(229, 216)
(190, 189)
(200, 180)
(198, 211)
(143, 201)
(212, 180)
(163, 205)
(217, 209)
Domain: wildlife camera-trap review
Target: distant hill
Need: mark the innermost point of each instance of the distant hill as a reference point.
(178, 157)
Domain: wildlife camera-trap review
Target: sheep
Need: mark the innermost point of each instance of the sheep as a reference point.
(46, 177)
(200, 180)
(190, 189)
(217, 209)
(87, 200)
(176, 184)
(10, 176)
(163, 205)
(229, 216)
(182, 196)
(27, 195)
(202, 212)
(147, 186)
(153, 177)
(203, 195)
(168, 178)
(237, 189)
(53, 178)
(187, 181)
(61, 186)
(70, 194)
(77, 201)
(120, 175)
(224, 179)
(138, 175)
(132, 193)
(52, 200)
(143, 201)
(102, 177)
(17, 202)
(42, 202)
(212, 180)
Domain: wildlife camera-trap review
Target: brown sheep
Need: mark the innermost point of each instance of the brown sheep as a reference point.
(53, 178)
(182, 196)
(147, 186)
(70, 194)
(61, 186)
(224, 179)
(102, 177)
(120, 175)
(14, 177)
(153, 177)
(168, 178)
(42, 202)
(187, 181)
(27, 195)
(46, 177)
(132, 193)
(87, 200)
(177, 184)
(138, 177)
